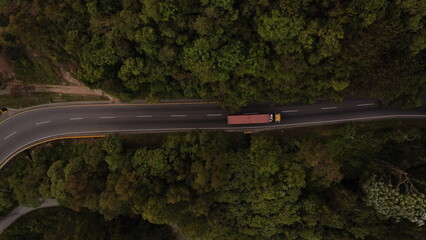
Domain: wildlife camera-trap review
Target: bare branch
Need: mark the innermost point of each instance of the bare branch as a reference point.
(401, 177)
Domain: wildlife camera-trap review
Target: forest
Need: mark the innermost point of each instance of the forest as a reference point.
(346, 183)
(62, 223)
(231, 51)
(350, 182)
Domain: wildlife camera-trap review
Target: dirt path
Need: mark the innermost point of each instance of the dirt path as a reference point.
(19, 211)
(77, 90)
(68, 77)
(69, 85)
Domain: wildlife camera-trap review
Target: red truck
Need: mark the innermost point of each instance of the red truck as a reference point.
(254, 119)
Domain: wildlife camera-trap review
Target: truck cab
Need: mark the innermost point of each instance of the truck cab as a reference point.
(275, 117)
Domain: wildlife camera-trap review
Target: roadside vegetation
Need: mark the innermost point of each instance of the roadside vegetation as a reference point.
(28, 99)
(62, 223)
(353, 182)
(234, 52)
(35, 72)
(4, 80)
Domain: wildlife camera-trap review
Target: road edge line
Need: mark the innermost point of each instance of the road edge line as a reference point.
(266, 127)
(45, 141)
(35, 108)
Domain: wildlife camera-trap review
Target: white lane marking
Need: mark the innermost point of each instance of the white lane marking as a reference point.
(223, 128)
(42, 122)
(9, 135)
(178, 115)
(326, 108)
(250, 113)
(72, 119)
(289, 111)
(144, 116)
(364, 104)
(106, 117)
(214, 115)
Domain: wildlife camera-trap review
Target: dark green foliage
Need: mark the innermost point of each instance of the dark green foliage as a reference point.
(60, 223)
(212, 186)
(34, 73)
(11, 52)
(234, 52)
(112, 147)
(3, 81)
(7, 198)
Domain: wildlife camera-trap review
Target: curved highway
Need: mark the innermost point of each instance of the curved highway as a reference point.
(37, 125)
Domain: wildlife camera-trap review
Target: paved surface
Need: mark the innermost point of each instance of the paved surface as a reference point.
(36, 125)
(19, 211)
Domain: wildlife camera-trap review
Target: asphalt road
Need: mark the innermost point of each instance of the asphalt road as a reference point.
(30, 127)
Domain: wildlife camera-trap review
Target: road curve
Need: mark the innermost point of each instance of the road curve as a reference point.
(37, 125)
(19, 211)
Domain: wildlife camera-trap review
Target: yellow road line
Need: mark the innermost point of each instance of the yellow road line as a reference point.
(45, 141)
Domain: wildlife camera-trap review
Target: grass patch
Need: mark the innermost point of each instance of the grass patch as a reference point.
(32, 99)
(40, 72)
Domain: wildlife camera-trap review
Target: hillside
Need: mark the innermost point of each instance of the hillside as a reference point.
(234, 52)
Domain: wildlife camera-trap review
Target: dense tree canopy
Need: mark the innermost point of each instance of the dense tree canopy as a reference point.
(234, 52)
(214, 185)
(61, 223)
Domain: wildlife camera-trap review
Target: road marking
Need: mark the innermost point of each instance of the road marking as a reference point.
(144, 116)
(289, 111)
(107, 117)
(214, 115)
(365, 104)
(326, 108)
(25, 146)
(178, 115)
(106, 104)
(250, 113)
(42, 122)
(72, 119)
(9, 135)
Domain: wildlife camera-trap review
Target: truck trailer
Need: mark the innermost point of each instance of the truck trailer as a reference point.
(254, 119)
